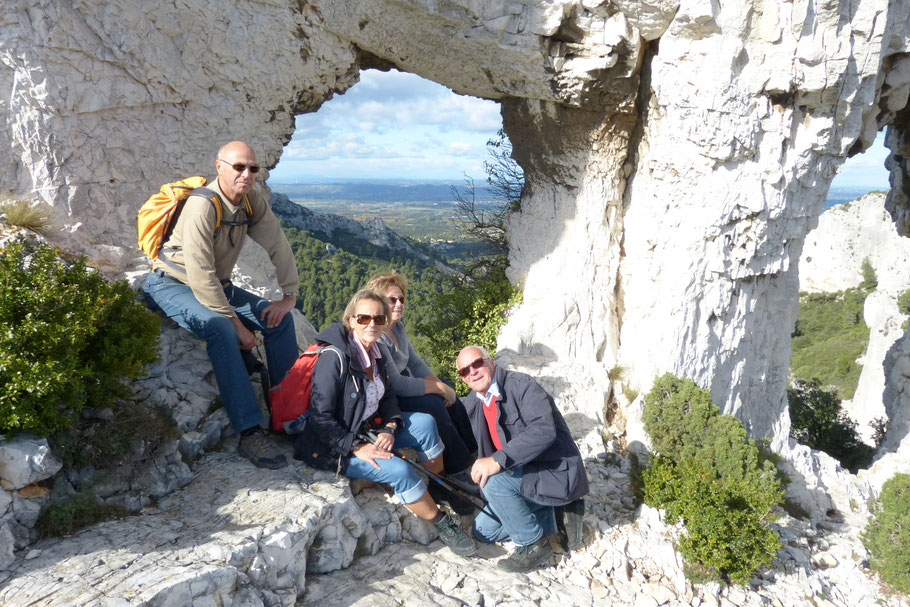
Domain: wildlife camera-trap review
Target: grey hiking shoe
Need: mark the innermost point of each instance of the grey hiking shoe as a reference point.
(570, 521)
(454, 537)
(526, 558)
(259, 449)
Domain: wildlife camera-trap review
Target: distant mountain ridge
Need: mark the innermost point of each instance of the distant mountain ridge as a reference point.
(336, 227)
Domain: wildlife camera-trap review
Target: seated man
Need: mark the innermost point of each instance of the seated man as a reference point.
(190, 282)
(528, 466)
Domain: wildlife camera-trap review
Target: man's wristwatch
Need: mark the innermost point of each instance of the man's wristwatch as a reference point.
(288, 293)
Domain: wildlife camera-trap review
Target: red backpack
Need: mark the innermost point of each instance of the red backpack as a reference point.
(290, 399)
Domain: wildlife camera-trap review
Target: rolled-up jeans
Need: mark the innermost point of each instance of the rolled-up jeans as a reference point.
(521, 519)
(457, 456)
(177, 301)
(418, 432)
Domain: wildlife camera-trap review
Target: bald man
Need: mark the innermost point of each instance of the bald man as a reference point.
(190, 283)
(528, 467)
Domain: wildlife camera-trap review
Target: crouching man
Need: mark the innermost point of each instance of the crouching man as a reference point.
(528, 466)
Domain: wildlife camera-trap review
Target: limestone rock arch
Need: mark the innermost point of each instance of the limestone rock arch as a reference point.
(676, 152)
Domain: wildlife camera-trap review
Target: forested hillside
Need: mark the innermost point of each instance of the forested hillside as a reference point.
(332, 270)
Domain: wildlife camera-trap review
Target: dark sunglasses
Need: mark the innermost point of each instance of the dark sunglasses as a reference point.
(475, 364)
(364, 319)
(395, 300)
(254, 168)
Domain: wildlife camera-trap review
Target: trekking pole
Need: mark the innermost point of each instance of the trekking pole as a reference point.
(452, 485)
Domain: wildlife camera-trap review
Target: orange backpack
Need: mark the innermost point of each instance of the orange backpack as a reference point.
(158, 215)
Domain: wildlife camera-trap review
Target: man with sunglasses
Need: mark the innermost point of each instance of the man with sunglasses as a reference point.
(528, 467)
(190, 283)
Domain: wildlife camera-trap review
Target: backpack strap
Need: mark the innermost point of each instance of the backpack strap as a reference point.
(212, 197)
(343, 370)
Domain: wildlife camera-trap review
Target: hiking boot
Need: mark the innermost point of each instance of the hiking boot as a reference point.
(570, 521)
(445, 497)
(526, 558)
(454, 537)
(259, 449)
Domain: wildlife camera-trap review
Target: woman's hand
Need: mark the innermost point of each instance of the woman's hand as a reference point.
(434, 385)
(385, 441)
(369, 452)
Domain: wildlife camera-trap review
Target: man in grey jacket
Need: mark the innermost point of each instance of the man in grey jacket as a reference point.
(528, 466)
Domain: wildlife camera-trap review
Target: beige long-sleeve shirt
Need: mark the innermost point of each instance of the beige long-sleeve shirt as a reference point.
(202, 262)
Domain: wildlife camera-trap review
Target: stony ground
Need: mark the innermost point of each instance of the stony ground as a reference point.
(246, 537)
(628, 558)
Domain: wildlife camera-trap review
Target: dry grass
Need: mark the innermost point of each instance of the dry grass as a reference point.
(21, 213)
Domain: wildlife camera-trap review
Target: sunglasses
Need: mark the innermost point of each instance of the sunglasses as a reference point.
(395, 300)
(364, 319)
(254, 168)
(475, 364)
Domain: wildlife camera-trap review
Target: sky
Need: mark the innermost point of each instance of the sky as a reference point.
(391, 125)
(395, 125)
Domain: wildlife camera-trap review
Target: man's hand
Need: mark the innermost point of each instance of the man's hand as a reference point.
(483, 469)
(275, 311)
(246, 338)
(369, 453)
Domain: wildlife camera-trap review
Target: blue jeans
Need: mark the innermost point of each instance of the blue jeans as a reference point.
(419, 432)
(177, 301)
(457, 456)
(524, 521)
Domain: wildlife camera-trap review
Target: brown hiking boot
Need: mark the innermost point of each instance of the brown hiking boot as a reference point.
(259, 449)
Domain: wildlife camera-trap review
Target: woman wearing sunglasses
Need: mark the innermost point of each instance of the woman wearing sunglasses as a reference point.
(355, 421)
(419, 389)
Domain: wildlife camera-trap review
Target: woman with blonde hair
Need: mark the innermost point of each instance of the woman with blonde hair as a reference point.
(355, 423)
(419, 390)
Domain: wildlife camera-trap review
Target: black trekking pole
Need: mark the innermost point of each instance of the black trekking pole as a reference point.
(452, 485)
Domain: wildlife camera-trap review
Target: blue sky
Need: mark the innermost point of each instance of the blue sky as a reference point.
(391, 125)
(395, 125)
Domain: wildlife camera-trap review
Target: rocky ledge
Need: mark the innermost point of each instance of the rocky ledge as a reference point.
(238, 535)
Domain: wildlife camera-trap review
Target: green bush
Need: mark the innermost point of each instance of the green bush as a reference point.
(707, 473)
(887, 535)
(817, 420)
(870, 281)
(69, 514)
(471, 313)
(830, 335)
(903, 302)
(106, 443)
(68, 338)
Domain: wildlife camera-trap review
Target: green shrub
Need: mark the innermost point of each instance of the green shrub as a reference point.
(469, 314)
(106, 443)
(829, 336)
(68, 338)
(870, 281)
(903, 302)
(67, 515)
(887, 535)
(818, 421)
(710, 475)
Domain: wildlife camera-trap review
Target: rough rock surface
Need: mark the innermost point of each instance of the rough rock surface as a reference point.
(243, 536)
